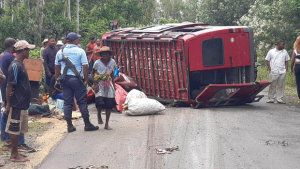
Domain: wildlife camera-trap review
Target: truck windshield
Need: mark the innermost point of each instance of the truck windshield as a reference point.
(213, 52)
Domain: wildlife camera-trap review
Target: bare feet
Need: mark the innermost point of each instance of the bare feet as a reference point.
(19, 158)
(100, 121)
(107, 128)
(23, 155)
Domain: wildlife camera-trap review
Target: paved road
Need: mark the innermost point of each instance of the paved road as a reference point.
(210, 138)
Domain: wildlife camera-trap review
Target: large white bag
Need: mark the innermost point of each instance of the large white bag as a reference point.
(134, 94)
(143, 106)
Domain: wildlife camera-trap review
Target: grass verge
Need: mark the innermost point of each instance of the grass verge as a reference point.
(290, 84)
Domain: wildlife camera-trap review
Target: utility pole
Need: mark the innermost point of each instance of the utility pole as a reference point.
(77, 22)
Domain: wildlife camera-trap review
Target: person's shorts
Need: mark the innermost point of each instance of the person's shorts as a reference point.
(105, 103)
(48, 79)
(17, 121)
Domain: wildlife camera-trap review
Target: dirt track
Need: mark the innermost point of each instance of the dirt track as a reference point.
(259, 135)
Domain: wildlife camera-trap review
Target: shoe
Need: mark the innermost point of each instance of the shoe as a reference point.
(88, 126)
(281, 102)
(71, 128)
(6, 147)
(270, 101)
(25, 148)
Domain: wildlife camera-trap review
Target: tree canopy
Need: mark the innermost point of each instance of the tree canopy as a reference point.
(35, 20)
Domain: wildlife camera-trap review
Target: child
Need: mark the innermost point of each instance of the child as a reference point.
(104, 84)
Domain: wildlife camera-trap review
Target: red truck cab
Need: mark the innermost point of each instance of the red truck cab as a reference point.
(198, 64)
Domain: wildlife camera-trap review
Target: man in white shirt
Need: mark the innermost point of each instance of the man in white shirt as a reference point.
(277, 62)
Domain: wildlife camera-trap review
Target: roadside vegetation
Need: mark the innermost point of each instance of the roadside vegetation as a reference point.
(35, 20)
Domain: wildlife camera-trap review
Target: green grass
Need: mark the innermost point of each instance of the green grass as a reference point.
(290, 83)
(37, 128)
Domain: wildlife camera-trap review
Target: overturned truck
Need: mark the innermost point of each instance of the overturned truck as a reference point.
(198, 64)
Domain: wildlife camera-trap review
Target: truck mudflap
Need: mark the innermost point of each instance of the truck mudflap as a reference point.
(230, 94)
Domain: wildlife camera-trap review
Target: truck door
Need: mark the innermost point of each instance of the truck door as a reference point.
(230, 94)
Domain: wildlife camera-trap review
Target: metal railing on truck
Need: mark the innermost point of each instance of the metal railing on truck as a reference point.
(159, 66)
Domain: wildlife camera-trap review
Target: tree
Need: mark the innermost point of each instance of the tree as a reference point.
(273, 20)
(77, 15)
(223, 12)
(170, 9)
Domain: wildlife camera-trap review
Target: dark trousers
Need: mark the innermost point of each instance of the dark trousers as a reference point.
(91, 64)
(72, 86)
(297, 75)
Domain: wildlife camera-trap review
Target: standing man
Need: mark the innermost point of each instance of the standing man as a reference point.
(17, 105)
(277, 62)
(49, 61)
(44, 45)
(89, 51)
(73, 85)
(5, 61)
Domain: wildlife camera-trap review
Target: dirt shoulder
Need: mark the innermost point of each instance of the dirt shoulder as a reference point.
(43, 134)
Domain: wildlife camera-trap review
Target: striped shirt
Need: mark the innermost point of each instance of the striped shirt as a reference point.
(18, 78)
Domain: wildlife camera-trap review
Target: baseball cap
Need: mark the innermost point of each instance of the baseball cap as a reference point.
(23, 44)
(73, 36)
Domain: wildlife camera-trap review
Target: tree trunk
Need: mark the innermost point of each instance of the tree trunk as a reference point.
(69, 10)
(77, 22)
(40, 20)
(29, 8)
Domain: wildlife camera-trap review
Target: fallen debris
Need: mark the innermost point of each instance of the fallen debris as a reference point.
(89, 167)
(282, 143)
(166, 150)
(33, 150)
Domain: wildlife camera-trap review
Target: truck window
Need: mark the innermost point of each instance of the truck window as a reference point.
(213, 52)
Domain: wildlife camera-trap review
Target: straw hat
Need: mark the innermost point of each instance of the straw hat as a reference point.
(104, 49)
(45, 40)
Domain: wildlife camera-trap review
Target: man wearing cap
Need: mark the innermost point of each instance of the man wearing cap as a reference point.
(49, 59)
(5, 61)
(17, 105)
(73, 85)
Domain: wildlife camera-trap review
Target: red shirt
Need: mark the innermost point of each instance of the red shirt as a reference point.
(95, 57)
(90, 47)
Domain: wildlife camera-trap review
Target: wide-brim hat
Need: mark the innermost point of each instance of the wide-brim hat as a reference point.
(104, 49)
(59, 43)
(44, 41)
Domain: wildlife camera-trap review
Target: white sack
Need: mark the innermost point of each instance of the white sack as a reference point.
(143, 106)
(134, 94)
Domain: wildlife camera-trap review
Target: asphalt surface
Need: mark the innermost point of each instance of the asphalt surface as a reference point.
(253, 136)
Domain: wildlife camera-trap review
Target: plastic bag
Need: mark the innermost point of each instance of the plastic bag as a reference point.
(120, 97)
(134, 94)
(143, 106)
(60, 105)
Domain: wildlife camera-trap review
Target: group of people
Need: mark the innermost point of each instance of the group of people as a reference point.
(277, 61)
(68, 65)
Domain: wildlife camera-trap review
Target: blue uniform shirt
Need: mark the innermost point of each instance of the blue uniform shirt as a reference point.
(75, 54)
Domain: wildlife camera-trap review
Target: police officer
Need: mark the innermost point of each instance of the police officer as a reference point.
(73, 85)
